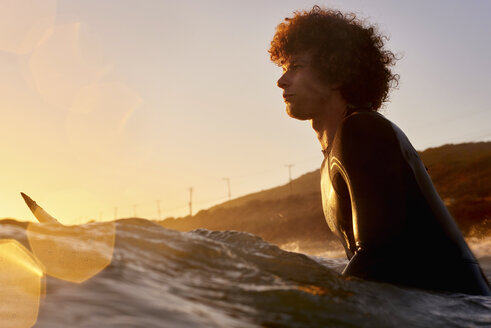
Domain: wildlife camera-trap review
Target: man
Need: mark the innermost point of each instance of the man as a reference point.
(377, 197)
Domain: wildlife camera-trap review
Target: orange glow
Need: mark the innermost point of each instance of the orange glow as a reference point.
(314, 290)
(21, 284)
(72, 253)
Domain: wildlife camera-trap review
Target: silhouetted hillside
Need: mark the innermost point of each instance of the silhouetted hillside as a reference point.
(461, 174)
(304, 185)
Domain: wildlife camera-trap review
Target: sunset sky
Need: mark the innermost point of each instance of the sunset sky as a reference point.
(120, 104)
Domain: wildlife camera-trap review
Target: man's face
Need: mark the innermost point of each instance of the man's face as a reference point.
(304, 93)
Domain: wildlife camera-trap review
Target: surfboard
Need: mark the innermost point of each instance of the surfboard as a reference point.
(41, 215)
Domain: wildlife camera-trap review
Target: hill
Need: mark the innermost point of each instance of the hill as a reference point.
(461, 174)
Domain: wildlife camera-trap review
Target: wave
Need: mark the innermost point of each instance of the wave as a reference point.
(164, 278)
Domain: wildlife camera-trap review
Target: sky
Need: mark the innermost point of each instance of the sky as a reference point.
(116, 108)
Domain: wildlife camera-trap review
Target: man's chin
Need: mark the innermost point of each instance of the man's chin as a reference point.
(296, 115)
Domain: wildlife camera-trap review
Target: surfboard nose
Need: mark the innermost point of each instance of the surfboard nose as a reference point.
(32, 204)
(41, 215)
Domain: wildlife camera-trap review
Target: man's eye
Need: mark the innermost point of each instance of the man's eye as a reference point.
(291, 67)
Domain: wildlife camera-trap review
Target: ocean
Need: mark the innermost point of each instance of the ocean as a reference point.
(149, 276)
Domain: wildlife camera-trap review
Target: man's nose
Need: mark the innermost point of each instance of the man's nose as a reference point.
(282, 81)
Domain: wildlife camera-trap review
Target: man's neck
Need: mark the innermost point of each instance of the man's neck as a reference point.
(326, 125)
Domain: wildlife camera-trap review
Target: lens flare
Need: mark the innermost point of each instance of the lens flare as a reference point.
(98, 116)
(65, 61)
(72, 253)
(24, 23)
(21, 285)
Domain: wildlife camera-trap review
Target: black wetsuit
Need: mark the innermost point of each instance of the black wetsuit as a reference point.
(380, 202)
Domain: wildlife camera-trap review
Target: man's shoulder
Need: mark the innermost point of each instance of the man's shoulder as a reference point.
(364, 128)
(366, 120)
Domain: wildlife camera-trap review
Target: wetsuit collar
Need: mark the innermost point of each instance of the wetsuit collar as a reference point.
(327, 150)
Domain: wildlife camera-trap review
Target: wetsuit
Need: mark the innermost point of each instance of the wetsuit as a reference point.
(380, 202)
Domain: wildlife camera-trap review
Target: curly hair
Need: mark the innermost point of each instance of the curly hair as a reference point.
(345, 51)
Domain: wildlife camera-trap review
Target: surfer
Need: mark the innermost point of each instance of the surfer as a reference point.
(377, 196)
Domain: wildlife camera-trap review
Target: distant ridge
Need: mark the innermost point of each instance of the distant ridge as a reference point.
(461, 174)
(305, 184)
